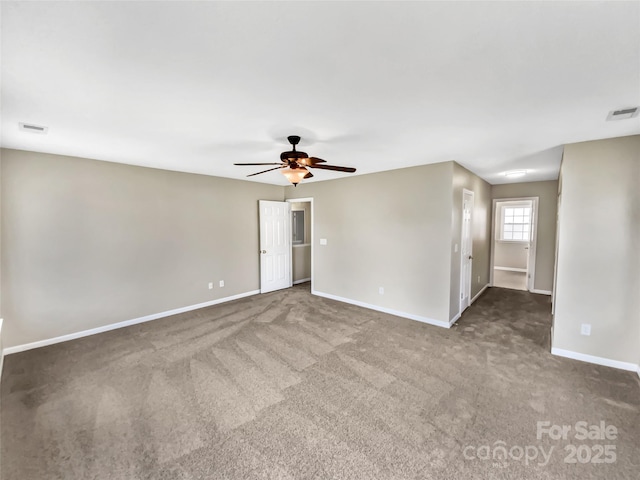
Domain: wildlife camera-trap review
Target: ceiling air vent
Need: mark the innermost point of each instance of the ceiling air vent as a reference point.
(30, 127)
(623, 114)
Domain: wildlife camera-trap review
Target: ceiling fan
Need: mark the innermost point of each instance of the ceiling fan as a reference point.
(294, 164)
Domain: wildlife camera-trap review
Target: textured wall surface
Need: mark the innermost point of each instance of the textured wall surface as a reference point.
(390, 230)
(89, 243)
(599, 255)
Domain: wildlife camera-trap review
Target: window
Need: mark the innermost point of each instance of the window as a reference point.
(297, 227)
(516, 224)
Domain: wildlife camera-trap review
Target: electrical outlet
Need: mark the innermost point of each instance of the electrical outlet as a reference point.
(222, 283)
(323, 241)
(381, 290)
(455, 248)
(210, 285)
(585, 329)
(478, 278)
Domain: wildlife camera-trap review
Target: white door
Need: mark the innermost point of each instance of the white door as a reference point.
(275, 245)
(466, 249)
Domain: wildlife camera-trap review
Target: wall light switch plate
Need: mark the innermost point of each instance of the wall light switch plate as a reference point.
(381, 290)
(585, 329)
(222, 283)
(455, 248)
(210, 285)
(323, 241)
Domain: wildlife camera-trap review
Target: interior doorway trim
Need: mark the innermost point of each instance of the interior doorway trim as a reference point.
(466, 281)
(313, 221)
(533, 246)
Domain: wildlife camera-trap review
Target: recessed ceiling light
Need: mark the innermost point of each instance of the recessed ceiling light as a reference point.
(31, 128)
(515, 173)
(623, 113)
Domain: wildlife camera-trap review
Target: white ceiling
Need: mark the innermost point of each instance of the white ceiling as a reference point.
(197, 86)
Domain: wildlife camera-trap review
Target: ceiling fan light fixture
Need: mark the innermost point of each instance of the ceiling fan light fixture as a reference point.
(293, 164)
(295, 175)
(515, 173)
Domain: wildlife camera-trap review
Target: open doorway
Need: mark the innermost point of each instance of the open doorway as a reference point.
(513, 250)
(301, 240)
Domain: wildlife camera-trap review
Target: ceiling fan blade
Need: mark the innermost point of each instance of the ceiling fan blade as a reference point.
(247, 164)
(265, 171)
(308, 175)
(310, 161)
(334, 167)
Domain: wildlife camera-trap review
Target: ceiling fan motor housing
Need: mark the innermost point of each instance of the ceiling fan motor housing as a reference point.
(292, 156)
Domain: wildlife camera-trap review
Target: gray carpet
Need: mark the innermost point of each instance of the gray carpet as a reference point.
(291, 386)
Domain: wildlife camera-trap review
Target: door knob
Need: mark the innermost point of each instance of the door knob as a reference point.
(470, 257)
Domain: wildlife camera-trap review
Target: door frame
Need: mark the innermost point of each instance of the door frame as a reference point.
(533, 245)
(313, 221)
(555, 263)
(461, 306)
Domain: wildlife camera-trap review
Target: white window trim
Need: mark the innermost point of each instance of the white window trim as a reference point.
(501, 226)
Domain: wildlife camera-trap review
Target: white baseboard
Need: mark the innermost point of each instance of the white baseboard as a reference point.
(126, 323)
(511, 269)
(411, 316)
(459, 314)
(302, 281)
(479, 293)
(541, 292)
(607, 362)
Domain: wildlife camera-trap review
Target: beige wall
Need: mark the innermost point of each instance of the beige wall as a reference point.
(301, 262)
(94, 243)
(89, 243)
(547, 193)
(389, 229)
(463, 178)
(1, 155)
(598, 257)
(510, 254)
(1, 320)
